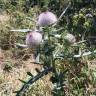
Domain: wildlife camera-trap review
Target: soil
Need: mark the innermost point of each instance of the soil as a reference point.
(9, 77)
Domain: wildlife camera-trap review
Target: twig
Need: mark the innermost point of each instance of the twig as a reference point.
(61, 15)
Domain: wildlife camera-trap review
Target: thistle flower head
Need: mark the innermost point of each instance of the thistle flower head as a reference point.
(46, 18)
(33, 39)
(70, 38)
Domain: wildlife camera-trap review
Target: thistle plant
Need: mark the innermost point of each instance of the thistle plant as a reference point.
(64, 51)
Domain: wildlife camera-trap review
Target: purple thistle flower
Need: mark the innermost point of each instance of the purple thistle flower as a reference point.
(46, 18)
(33, 39)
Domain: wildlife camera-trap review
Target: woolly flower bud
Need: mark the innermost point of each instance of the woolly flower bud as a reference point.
(33, 39)
(89, 15)
(46, 18)
(70, 38)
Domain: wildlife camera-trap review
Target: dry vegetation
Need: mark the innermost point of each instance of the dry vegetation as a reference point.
(11, 70)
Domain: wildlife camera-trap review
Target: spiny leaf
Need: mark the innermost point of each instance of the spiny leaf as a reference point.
(21, 30)
(21, 45)
(22, 81)
(37, 70)
(30, 74)
(15, 91)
